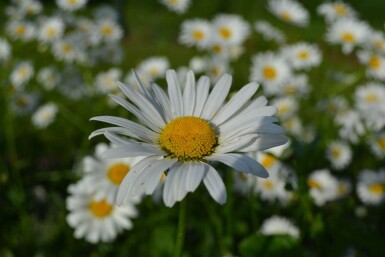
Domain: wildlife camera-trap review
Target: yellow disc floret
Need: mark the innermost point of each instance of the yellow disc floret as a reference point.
(100, 209)
(188, 138)
(117, 172)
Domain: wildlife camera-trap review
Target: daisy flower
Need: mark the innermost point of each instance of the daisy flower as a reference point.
(106, 12)
(339, 154)
(112, 53)
(243, 183)
(287, 106)
(71, 5)
(230, 29)
(106, 81)
(293, 126)
(269, 32)
(344, 188)
(351, 125)
(375, 64)
(183, 133)
(217, 66)
(66, 50)
(371, 187)
(296, 86)
(178, 6)
(5, 49)
(336, 10)
(21, 74)
(109, 31)
(96, 220)
(196, 33)
(271, 70)
(323, 186)
(44, 116)
(22, 103)
(198, 64)
(277, 225)
(289, 11)
(376, 42)
(21, 30)
(49, 77)
(31, 7)
(154, 67)
(302, 55)
(52, 29)
(377, 145)
(348, 32)
(102, 177)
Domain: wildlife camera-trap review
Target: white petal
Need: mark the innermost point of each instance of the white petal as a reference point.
(194, 175)
(132, 150)
(235, 103)
(265, 142)
(215, 185)
(203, 87)
(163, 101)
(175, 94)
(241, 162)
(217, 97)
(189, 94)
(235, 144)
(168, 190)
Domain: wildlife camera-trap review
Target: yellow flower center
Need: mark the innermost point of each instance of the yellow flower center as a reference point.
(377, 189)
(381, 143)
(314, 184)
(268, 161)
(117, 172)
(374, 62)
(51, 32)
(225, 32)
(72, 2)
(283, 109)
(106, 30)
(23, 72)
(372, 98)
(290, 90)
(303, 55)
(100, 209)
(269, 72)
(341, 189)
(153, 71)
(188, 138)
(379, 44)
(20, 30)
(217, 49)
(67, 48)
(348, 37)
(340, 9)
(268, 184)
(286, 16)
(198, 35)
(336, 153)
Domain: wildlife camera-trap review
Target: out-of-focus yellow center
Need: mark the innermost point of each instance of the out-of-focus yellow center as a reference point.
(22, 102)
(268, 184)
(341, 189)
(282, 109)
(198, 35)
(117, 172)
(303, 55)
(379, 44)
(20, 30)
(72, 2)
(336, 152)
(51, 32)
(340, 9)
(377, 189)
(225, 32)
(217, 48)
(381, 143)
(371, 98)
(374, 62)
(286, 16)
(269, 72)
(348, 37)
(153, 71)
(290, 90)
(106, 30)
(268, 161)
(100, 209)
(67, 48)
(188, 138)
(23, 71)
(314, 184)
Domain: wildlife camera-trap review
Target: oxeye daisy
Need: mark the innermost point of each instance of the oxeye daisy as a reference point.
(230, 29)
(375, 64)
(289, 11)
(335, 10)
(269, 32)
(71, 5)
(243, 183)
(376, 42)
(49, 77)
(339, 154)
(302, 55)
(371, 187)
(154, 67)
(109, 31)
(21, 30)
(105, 82)
(377, 144)
(277, 225)
(21, 74)
(5, 49)
(96, 220)
(323, 186)
(178, 6)
(45, 115)
(351, 125)
(296, 86)
(52, 29)
(196, 33)
(183, 133)
(348, 32)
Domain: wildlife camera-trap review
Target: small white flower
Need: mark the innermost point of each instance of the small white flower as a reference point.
(66, 50)
(351, 125)
(323, 186)
(49, 77)
(51, 29)
(371, 187)
(269, 32)
(21, 74)
(375, 64)
(21, 30)
(339, 154)
(71, 5)
(243, 183)
(289, 11)
(287, 106)
(196, 33)
(30, 7)
(377, 145)
(109, 31)
(198, 64)
(336, 10)
(277, 225)
(5, 49)
(230, 29)
(45, 115)
(154, 67)
(296, 86)
(106, 12)
(302, 55)
(376, 42)
(106, 82)
(217, 66)
(178, 6)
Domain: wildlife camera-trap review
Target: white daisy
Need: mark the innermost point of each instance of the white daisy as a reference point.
(296, 86)
(66, 50)
(154, 67)
(289, 11)
(271, 70)
(269, 32)
(112, 53)
(45, 115)
(109, 31)
(30, 7)
(51, 29)
(302, 55)
(198, 64)
(287, 106)
(377, 145)
(230, 29)
(243, 183)
(49, 77)
(96, 220)
(196, 33)
(105, 82)
(5, 49)
(22, 103)
(106, 12)
(102, 177)
(371, 187)
(376, 42)
(336, 10)
(293, 126)
(184, 132)
(323, 186)
(339, 154)
(351, 125)
(21, 30)
(344, 188)
(21, 74)
(216, 67)
(375, 64)
(178, 6)
(348, 32)
(71, 5)
(277, 225)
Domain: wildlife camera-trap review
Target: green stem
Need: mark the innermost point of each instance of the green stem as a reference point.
(181, 229)
(229, 209)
